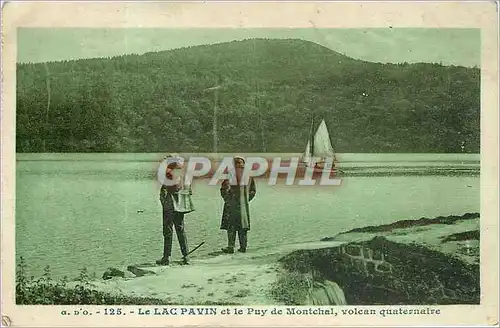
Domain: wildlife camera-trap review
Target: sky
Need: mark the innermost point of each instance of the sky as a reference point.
(460, 47)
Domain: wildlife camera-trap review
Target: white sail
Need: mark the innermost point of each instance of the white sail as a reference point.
(306, 157)
(322, 143)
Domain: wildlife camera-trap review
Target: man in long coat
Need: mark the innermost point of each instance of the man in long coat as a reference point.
(236, 213)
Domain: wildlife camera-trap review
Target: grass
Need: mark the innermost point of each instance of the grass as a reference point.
(243, 293)
(404, 224)
(47, 291)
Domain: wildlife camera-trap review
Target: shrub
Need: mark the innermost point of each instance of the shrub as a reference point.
(291, 288)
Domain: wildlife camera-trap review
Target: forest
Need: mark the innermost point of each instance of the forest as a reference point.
(268, 92)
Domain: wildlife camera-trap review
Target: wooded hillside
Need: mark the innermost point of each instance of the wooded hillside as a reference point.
(270, 90)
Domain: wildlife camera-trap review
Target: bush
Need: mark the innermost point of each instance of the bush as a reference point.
(292, 288)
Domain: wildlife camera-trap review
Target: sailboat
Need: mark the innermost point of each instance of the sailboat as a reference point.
(319, 149)
(319, 156)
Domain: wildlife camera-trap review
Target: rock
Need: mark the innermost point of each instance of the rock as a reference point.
(396, 273)
(326, 293)
(139, 272)
(129, 275)
(112, 272)
(466, 235)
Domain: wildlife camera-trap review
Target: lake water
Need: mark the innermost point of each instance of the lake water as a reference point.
(102, 210)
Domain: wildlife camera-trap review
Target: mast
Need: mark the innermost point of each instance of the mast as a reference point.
(311, 147)
(214, 126)
(257, 101)
(214, 122)
(45, 127)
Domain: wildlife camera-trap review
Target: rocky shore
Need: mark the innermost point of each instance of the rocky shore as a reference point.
(424, 261)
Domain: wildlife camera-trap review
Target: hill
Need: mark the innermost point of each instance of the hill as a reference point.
(270, 90)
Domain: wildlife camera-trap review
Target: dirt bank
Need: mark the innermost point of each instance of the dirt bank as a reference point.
(415, 262)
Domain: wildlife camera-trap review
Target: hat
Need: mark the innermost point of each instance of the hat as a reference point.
(173, 158)
(240, 158)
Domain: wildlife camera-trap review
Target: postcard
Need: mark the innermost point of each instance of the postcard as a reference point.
(249, 163)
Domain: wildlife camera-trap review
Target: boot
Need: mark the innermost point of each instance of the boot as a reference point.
(228, 250)
(243, 237)
(185, 260)
(231, 239)
(166, 251)
(163, 261)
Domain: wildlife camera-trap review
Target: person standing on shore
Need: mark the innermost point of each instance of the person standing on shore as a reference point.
(169, 193)
(236, 213)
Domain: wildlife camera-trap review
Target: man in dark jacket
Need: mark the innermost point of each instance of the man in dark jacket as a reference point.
(171, 218)
(236, 213)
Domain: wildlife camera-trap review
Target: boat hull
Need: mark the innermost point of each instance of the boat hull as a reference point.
(301, 171)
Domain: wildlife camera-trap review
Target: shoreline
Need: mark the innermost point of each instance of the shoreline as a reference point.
(297, 274)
